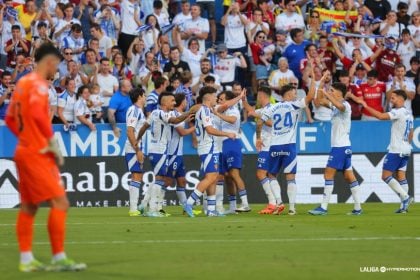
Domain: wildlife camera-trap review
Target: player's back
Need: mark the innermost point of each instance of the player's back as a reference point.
(232, 127)
(203, 118)
(30, 109)
(176, 143)
(285, 117)
(402, 123)
(160, 130)
(340, 126)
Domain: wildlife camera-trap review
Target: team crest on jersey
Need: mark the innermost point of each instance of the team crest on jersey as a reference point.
(348, 152)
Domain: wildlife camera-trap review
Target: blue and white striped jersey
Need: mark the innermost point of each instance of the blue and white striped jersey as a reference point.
(176, 143)
(204, 118)
(136, 119)
(160, 131)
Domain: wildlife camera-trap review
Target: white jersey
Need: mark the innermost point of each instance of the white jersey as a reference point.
(340, 126)
(217, 123)
(409, 86)
(67, 101)
(285, 117)
(232, 127)
(225, 68)
(160, 131)
(402, 123)
(81, 109)
(234, 32)
(176, 143)
(134, 118)
(204, 118)
(266, 130)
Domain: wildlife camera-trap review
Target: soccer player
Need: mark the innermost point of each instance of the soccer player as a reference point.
(263, 135)
(209, 155)
(231, 154)
(282, 152)
(37, 156)
(160, 120)
(340, 155)
(176, 169)
(134, 157)
(399, 148)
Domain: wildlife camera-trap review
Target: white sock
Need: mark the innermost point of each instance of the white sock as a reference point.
(59, 256)
(291, 193)
(26, 257)
(146, 198)
(180, 193)
(355, 189)
(219, 196)
(211, 203)
(393, 184)
(133, 193)
(232, 202)
(205, 202)
(154, 197)
(161, 197)
(266, 187)
(244, 197)
(328, 189)
(195, 195)
(275, 189)
(404, 185)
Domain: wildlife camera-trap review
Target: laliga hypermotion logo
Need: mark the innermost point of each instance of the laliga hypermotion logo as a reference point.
(9, 196)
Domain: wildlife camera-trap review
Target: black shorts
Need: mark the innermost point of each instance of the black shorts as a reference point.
(207, 7)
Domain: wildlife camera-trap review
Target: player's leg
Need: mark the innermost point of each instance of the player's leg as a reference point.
(220, 193)
(355, 191)
(135, 183)
(24, 232)
(261, 174)
(290, 168)
(274, 165)
(231, 190)
(329, 174)
(392, 163)
(402, 180)
(160, 168)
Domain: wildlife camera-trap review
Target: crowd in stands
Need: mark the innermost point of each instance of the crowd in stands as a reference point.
(111, 46)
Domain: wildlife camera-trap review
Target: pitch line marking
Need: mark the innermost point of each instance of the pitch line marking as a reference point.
(174, 241)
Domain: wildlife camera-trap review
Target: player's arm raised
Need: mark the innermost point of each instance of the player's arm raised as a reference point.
(334, 102)
(231, 102)
(226, 118)
(373, 112)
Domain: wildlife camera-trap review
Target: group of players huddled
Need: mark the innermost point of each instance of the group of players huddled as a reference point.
(215, 121)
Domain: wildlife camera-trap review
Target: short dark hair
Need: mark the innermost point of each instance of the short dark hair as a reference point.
(294, 32)
(402, 5)
(372, 74)
(340, 87)
(157, 4)
(206, 90)
(285, 89)
(209, 79)
(135, 93)
(179, 98)
(80, 90)
(399, 65)
(6, 73)
(229, 94)
(401, 93)
(95, 26)
(185, 77)
(308, 46)
(164, 94)
(15, 27)
(76, 28)
(46, 49)
(265, 90)
(405, 31)
(159, 81)
(104, 59)
(344, 73)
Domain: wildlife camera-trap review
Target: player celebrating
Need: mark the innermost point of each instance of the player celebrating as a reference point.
(263, 135)
(209, 155)
(399, 148)
(176, 168)
(284, 116)
(37, 155)
(160, 120)
(340, 155)
(134, 157)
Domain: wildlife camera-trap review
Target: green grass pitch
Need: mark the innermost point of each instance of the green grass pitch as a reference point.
(245, 246)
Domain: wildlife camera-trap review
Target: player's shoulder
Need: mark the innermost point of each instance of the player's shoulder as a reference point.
(33, 84)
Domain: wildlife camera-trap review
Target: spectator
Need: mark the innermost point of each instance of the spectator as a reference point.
(234, 23)
(289, 19)
(379, 8)
(353, 91)
(42, 17)
(182, 17)
(390, 27)
(414, 28)
(152, 99)
(82, 106)
(399, 81)
(327, 56)
(356, 56)
(261, 61)
(75, 42)
(323, 81)
(24, 65)
(146, 72)
(108, 84)
(97, 102)
(414, 68)
(175, 65)
(406, 48)
(91, 65)
(84, 13)
(196, 27)
(105, 43)
(120, 70)
(387, 59)
(150, 36)
(226, 64)
(66, 101)
(295, 52)
(160, 14)
(118, 106)
(130, 11)
(199, 81)
(191, 55)
(17, 44)
(373, 93)
(75, 73)
(63, 27)
(313, 28)
(185, 88)
(278, 78)
(267, 15)
(63, 66)
(136, 55)
(358, 72)
(27, 14)
(42, 37)
(402, 16)
(209, 7)
(163, 56)
(109, 23)
(6, 90)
